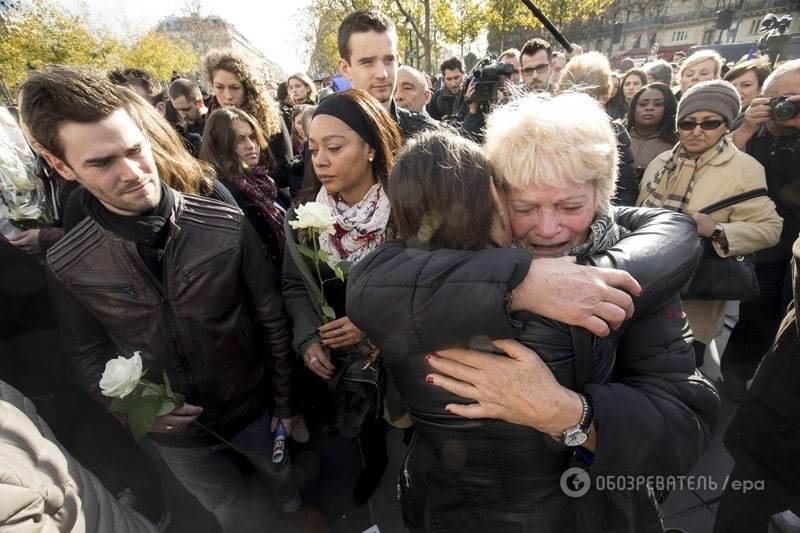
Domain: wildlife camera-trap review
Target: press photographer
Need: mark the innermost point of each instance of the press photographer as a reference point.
(443, 102)
(771, 134)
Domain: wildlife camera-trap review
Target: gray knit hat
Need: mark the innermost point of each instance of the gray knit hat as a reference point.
(716, 96)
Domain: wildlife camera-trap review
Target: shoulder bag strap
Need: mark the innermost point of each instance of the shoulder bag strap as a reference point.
(735, 199)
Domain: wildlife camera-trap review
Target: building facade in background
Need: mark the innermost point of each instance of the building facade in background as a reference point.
(207, 33)
(632, 27)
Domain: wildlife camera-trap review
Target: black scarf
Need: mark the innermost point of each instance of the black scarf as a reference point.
(148, 230)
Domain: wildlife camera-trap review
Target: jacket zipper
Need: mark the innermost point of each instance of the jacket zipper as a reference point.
(166, 309)
(117, 288)
(411, 446)
(194, 268)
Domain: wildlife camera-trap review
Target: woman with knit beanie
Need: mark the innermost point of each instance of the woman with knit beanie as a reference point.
(704, 168)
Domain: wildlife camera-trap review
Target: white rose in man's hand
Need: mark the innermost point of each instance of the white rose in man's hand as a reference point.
(121, 376)
(314, 215)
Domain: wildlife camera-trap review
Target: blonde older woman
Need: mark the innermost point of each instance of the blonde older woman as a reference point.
(705, 168)
(703, 65)
(626, 404)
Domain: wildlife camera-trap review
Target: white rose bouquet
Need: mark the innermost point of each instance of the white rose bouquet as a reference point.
(316, 218)
(22, 194)
(140, 400)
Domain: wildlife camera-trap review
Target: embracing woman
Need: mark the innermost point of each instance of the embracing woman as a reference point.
(628, 403)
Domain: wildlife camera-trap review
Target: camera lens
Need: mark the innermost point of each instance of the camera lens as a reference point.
(784, 110)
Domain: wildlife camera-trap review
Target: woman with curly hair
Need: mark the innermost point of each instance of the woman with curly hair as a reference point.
(235, 84)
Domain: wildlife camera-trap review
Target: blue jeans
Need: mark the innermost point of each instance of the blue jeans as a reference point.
(223, 482)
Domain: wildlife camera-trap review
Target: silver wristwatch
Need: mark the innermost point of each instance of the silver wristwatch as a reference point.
(577, 435)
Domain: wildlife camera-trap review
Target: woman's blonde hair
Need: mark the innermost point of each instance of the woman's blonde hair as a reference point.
(543, 141)
(311, 97)
(588, 73)
(699, 57)
(256, 101)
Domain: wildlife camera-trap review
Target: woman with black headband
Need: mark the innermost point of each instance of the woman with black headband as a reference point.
(352, 141)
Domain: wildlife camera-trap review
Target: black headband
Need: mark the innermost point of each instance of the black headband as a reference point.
(351, 114)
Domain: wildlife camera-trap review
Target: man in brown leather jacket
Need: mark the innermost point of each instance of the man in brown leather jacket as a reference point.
(180, 278)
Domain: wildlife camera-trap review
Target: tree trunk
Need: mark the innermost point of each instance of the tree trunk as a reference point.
(427, 41)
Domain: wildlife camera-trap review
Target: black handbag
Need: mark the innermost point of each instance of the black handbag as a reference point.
(357, 385)
(723, 278)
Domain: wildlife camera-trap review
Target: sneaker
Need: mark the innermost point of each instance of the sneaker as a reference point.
(786, 522)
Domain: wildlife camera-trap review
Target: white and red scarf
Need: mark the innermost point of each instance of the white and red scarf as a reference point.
(360, 228)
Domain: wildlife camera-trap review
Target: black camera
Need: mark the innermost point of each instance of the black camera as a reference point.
(487, 80)
(781, 108)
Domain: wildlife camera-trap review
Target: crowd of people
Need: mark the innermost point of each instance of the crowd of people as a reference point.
(506, 273)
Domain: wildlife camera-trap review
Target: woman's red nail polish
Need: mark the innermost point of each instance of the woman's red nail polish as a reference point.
(429, 380)
(434, 353)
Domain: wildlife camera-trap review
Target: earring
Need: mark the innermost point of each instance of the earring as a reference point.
(371, 157)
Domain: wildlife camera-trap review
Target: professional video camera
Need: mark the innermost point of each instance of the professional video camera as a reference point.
(775, 36)
(488, 75)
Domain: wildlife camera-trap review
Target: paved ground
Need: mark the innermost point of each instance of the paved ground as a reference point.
(27, 353)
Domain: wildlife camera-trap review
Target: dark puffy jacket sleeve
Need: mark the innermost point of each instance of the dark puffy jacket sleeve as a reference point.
(409, 300)
(656, 414)
(660, 253)
(261, 286)
(83, 338)
(628, 180)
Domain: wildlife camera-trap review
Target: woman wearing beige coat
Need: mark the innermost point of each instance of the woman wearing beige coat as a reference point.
(704, 168)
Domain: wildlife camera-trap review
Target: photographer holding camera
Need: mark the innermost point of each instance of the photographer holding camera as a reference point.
(443, 102)
(771, 134)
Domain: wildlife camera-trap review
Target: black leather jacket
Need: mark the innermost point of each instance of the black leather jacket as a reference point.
(655, 414)
(215, 322)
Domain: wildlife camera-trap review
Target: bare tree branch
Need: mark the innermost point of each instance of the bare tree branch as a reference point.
(411, 21)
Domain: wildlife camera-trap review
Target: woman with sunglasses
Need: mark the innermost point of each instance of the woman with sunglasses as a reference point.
(705, 168)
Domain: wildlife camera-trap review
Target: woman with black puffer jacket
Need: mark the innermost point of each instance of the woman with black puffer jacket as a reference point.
(627, 403)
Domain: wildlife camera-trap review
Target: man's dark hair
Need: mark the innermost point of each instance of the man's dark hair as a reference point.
(361, 22)
(186, 88)
(282, 92)
(454, 63)
(659, 70)
(134, 77)
(61, 94)
(536, 44)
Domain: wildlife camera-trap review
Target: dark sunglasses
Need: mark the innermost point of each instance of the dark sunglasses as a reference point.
(541, 69)
(706, 125)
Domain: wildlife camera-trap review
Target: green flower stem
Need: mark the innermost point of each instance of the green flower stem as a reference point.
(322, 301)
(222, 439)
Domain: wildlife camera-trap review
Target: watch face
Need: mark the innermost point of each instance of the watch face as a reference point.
(575, 438)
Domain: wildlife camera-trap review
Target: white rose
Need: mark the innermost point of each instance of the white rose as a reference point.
(121, 376)
(314, 215)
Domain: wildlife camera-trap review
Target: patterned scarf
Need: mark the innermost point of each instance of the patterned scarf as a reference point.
(672, 186)
(603, 234)
(360, 228)
(261, 190)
